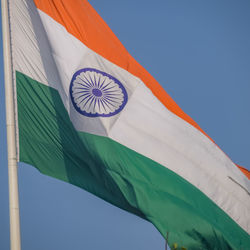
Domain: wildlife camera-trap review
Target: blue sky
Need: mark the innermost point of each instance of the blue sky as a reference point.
(199, 51)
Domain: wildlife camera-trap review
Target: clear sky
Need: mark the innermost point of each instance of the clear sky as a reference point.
(199, 51)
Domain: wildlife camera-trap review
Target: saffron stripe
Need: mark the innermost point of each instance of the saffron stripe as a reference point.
(92, 31)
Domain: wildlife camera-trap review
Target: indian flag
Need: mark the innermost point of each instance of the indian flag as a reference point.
(90, 115)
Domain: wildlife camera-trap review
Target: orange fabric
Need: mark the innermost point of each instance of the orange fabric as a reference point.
(244, 171)
(82, 21)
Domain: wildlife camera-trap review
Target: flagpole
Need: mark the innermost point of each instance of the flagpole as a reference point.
(15, 241)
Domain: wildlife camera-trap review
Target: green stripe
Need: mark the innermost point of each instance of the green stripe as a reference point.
(117, 174)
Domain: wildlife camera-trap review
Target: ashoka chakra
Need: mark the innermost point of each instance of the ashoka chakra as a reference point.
(96, 93)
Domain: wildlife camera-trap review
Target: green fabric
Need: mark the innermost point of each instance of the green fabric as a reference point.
(117, 174)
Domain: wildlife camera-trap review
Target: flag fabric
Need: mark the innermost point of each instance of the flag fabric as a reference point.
(89, 114)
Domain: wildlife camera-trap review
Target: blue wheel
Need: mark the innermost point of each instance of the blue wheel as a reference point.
(95, 93)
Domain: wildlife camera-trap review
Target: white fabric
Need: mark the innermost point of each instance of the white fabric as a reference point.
(144, 125)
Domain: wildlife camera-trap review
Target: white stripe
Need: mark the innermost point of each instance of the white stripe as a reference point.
(147, 127)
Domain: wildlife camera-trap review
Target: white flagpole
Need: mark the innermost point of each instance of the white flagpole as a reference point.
(15, 241)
